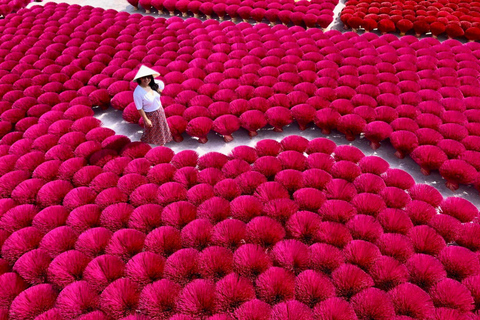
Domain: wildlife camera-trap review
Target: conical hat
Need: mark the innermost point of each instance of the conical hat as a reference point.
(145, 71)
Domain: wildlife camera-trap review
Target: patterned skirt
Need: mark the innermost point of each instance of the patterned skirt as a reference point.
(159, 133)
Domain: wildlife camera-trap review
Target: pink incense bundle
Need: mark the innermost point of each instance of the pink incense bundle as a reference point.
(429, 158)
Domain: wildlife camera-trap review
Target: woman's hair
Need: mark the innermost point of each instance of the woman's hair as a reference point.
(152, 83)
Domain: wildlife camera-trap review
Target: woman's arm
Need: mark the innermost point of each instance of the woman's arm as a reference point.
(161, 86)
(139, 105)
(147, 121)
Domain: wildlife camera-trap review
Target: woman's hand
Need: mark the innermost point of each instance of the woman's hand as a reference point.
(148, 123)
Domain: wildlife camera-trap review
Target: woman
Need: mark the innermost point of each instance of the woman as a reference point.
(147, 100)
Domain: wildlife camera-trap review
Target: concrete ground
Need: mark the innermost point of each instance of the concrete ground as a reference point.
(112, 118)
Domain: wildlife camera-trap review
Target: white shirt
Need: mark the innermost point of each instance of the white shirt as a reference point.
(148, 101)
